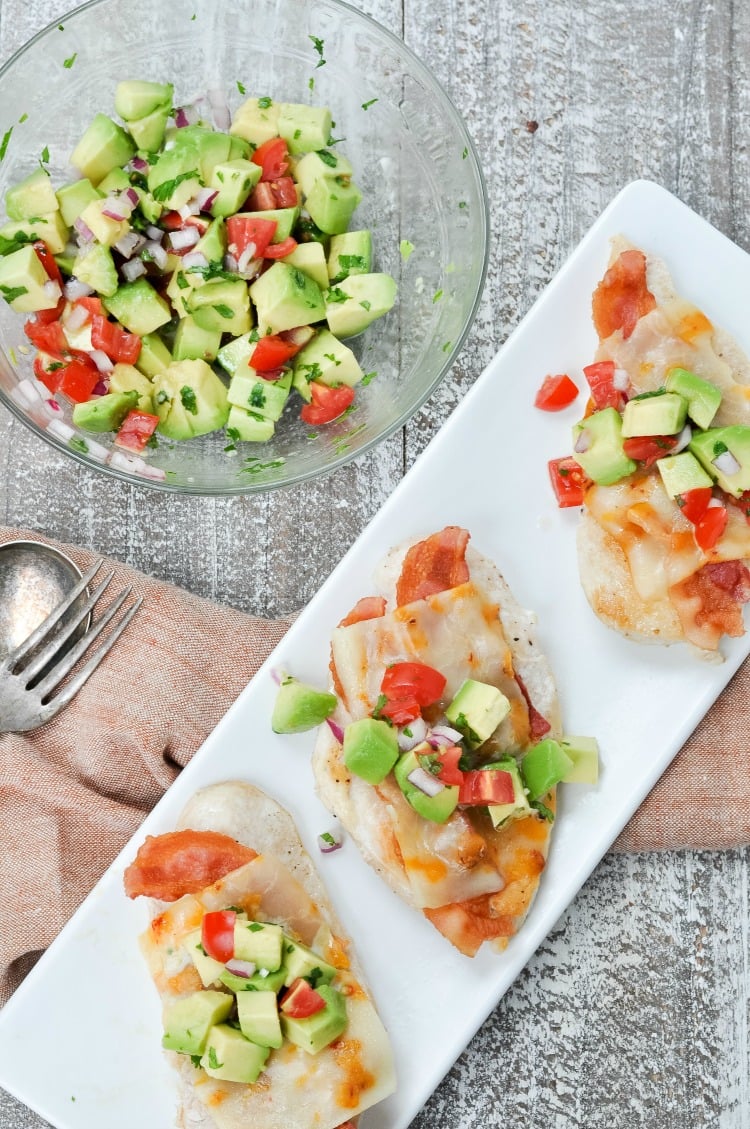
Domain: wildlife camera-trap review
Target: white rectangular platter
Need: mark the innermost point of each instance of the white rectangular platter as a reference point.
(79, 1042)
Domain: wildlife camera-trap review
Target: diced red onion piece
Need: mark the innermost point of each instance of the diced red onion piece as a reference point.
(246, 257)
(139, 164)
(194, 259)
(683, 439)
(621, 380)
(205, 198)
(157, 253)
(132, 196)
(726, 463)
(74, 289)
(77, 318)
(130, 463)
(278, 675)
(426, 782)
(101, 360)
(27, 393)
(412, 734)
(52, 290)
(117, 208)
(231, 264)
(190, 209)
(180, 118)
(298, 336)
(131, 242)
(53, 404)
(583, 442)
(146, 470)
(60, 429)
(154, 233)
(336, 729)
(329, 841)
(96, 450)
(100, 389)
(445, 733)
(133, 269)
(219, 109)
(184, 237)
(243, 968)
(83, 230)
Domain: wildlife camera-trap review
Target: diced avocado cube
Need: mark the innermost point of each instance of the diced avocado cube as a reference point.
(213, 244)
(174, 178)
(149, 208)
(192, 342)
(545, 765)
(65, 263)
(265, 398)
(221, 304)
(237, 352)
(349, 253)
(304, 128)
(323, 165)
(326, 360)
(298, 706)
(477, 710)
(301, 962)
(103, 147)
(258, 942)
(73, 198)
(188, 1021)
(154, 356)
(318, 1031)
(662, 414)
(148, 133)
(232, 1057)
(703, 398)
(285, 221)
(681, 473)
(95, 266)
(370, 749)
(285, 298)
(260, 981)
(209, 148)
(257, 120)
(138, 307)
(259, 1018)
(32, 196)
(22, 282)
(106, 230)
(238, 147)
(708, 446)
(234, 181)
(331, 204)
(207, 968)
(189, 399)
(135, 99)
(311, 259)
(249, 426)
(356, 302)
(584, 753)
(604, 460)
(115, 181)
(127, 378)
(500, 814)
(439, 808)
(180, 283)
(105, 413)
(50, 227)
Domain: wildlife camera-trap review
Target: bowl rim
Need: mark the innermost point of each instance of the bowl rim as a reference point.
(256, 487)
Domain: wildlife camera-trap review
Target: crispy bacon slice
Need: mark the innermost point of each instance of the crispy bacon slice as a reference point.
(711, 600)
(467, 925)
(622, 297)
(732, 576)
(433, 565)
(369, 607)
(183, 862)
(538, 724)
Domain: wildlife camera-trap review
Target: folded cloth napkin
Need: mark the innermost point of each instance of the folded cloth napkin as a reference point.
(73, 792)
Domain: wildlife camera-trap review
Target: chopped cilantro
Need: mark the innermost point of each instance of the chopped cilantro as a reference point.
(240, 87)
(437, 296)
(61, 27)
(311, 83)
(297, 134)
(163, 191)
(311, 371)
(719, 447)
(334, 141)
(213, 270)
(77, 444)
(10, 293)
(406, 248)
(462, 723)
(382, 699)
(68, 63)
(407, 731)
(366, 105)
(328, 838)
(194, 16)
(161, 396)
(328, 158)
(368, 377)
(365, 304)
(462, 204)
(13, 244)
(233, 434)
(316, 975)
(465, 154)
(4, 142)
(23, 118)
(319, 47)
(650, 395)
(254, 927)
(542, 810)
(189, 400)
(213, 1061)
(182, 282)
(224, 311)
(195, 1059)
(264, 103)
(336, 295)
(332, 358)
(257, 397)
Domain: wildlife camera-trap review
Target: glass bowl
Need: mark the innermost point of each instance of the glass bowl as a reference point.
(413, 160)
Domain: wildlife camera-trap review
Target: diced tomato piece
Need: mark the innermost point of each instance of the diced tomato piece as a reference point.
(487, 786)
(694, 503)
(280, 250)
(244, 230)
(647, 449)
(556, 393)
(47, 259)
(48, 370)
(450, 773)
(742, 503)
(600, 377)
(709, 527)
(171, 221)
(261, 199)
(217, 934)
(285, 192)
(568, 481)
(273, 158)
(400, 710)
(92, 304)
(199, 222)
(78, 379)
(413, 679)
(136, 430)
(49, 338)
(271, 352)
(119, 345)
(301, 1001)
(327, 403)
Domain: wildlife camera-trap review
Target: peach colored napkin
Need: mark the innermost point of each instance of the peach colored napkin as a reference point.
(73, 792)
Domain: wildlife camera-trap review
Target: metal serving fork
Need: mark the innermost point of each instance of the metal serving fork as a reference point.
(26, 689)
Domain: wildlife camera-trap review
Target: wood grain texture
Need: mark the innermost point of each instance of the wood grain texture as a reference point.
(634, 1012)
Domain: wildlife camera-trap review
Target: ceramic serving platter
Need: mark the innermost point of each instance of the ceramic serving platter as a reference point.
(79, 1041)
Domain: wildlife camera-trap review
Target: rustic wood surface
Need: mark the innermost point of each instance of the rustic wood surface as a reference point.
(634, 1012)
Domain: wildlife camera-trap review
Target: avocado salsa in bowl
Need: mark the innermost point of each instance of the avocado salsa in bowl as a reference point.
(240, 272)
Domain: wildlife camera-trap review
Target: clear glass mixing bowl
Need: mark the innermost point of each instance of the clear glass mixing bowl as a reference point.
(413, 159)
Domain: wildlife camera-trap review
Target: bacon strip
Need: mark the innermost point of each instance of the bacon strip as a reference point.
(183, 862)
(710, 601)
(622, 297)
(369, 607)
(467, 925)
(434, 565)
